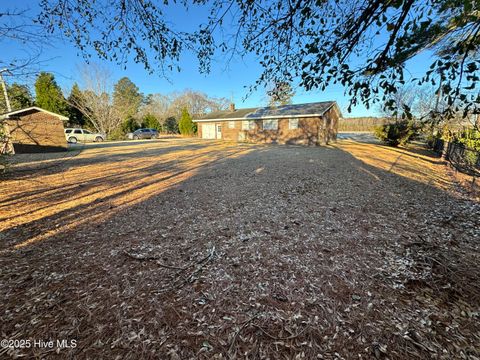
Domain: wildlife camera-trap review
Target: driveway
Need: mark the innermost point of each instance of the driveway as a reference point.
(364, 137)
(183, 248)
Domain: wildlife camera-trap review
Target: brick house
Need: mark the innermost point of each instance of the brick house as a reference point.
(34, 130)
(308, 124)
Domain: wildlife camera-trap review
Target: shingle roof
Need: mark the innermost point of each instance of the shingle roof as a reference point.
(36, 108)
(303, 110)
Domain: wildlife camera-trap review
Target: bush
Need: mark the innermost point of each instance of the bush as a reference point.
(171, 125)
(470, 138)
(118, 134)
(129, 125)
(399, 133)
(431, 139)
(151, 122)
(471, 157)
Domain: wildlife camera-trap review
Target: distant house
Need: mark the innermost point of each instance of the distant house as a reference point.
(34, 130)
(309, 124)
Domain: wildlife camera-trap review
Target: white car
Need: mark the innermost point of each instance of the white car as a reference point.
(74, 135)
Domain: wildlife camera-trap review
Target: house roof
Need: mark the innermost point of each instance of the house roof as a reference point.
(21, 111)
(271, 112)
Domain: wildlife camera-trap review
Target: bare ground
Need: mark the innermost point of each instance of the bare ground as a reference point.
(180, 249)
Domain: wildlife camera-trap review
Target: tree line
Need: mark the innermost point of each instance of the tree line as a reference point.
(114, 108)
(363, 44)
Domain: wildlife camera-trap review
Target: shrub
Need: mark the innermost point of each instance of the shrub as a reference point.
(150, 121)
(398, 133)
(430, 139)
(171, 125)
(129, 125)
(470, 138)
(117, 134)
(471, 157)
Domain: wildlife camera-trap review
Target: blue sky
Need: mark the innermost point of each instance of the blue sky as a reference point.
(229, 81)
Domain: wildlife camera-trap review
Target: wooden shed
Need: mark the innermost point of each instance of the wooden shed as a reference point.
(34, 130)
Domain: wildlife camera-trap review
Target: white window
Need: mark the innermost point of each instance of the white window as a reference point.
(231, 124)
(293, 124)
(270, 124)
(248, 125)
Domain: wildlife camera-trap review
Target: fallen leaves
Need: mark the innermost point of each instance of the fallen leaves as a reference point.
(334, 258)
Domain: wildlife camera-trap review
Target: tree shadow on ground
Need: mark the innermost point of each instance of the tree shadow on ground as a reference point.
(309, 244)
(419, 150)
(97, 189)
(97, 155)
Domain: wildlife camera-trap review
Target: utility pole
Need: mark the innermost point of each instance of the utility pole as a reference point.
(4, 86)
(6, 146)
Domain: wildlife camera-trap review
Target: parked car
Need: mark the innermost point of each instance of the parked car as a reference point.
(74, 135)
(143, 134)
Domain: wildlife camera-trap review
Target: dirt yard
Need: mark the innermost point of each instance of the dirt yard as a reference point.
(185, 249)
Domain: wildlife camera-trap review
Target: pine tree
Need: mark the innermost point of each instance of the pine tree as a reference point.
(75, 116)
(186, 125)
(48, 94)
(19, 96)
(150, 121)
(126, 98)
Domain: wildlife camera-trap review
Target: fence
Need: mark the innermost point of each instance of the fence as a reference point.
(460, 157)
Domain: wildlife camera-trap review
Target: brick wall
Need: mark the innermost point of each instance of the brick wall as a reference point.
(37, 132)
(307, 132)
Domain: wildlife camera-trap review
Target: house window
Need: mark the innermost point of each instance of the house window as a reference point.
(270, 124)
(248, 125)
(231, 124)
(293, 124)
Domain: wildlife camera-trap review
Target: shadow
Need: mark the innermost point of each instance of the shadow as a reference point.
(97, 155)
(328, 233)
(35, 132)
(30, 149)
(120, 143)
(416, 151)
(94, 187)
(62, 194)
(413, 162)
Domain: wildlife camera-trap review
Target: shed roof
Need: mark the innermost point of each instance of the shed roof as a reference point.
(36, 108)
(269, 112)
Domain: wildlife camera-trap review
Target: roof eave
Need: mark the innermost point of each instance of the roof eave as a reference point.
(263, 117)
(9, 114)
